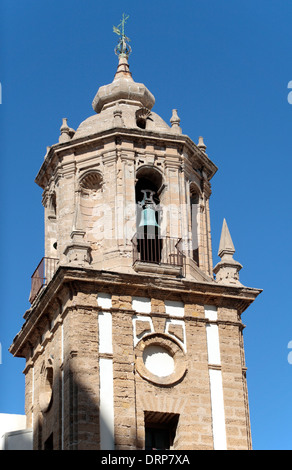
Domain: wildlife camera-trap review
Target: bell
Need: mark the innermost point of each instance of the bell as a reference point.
(148, 218)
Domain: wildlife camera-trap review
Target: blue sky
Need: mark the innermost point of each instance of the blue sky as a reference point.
(225, 66)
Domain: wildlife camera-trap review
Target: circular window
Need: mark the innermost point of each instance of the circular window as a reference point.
(46, 392)
(160, 359)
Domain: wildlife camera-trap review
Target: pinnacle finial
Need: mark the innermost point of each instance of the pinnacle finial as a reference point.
(201, 144)
(226, 244)
(123, 49)
(66, 131)
(227, 270)
(175, 122)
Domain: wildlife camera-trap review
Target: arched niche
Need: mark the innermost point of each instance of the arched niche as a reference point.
(52, 205)
(46, 386)
(90, 182)
(89, 206)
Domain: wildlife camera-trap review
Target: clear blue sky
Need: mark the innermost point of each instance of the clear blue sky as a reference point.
(225, 65)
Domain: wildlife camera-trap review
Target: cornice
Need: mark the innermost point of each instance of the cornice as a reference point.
(74, 145)
(131, 284)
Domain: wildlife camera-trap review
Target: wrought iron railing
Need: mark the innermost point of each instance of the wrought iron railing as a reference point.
(42, 276)
(158, 250)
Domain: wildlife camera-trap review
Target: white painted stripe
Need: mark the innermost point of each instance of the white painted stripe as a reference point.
(212, 335)
(174, 308)
(105, 332)
(106, 404)
(215, 376)
(141, 304)
(210, 312)
(213, 344)
(106, 391)
(217, 405)
(104, 300)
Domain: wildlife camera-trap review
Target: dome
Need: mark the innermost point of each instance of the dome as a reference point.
(105, 121)
(122, 103)
(123, 88)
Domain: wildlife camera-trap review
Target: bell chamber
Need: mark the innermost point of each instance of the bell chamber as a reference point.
(149, 241)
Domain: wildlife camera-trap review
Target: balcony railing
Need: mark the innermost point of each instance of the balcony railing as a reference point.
(158, 250)
(42, 276)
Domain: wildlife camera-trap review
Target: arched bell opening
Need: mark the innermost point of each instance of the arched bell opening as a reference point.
(195, 211)
(149, 242)
(149, 177)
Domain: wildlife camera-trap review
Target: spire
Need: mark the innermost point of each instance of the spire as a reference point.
(227, 270)
(226, 245)
(122, 50)
(123, 70)
(123, 89)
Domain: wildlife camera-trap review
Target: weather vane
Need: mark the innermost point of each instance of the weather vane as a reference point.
(123, 49)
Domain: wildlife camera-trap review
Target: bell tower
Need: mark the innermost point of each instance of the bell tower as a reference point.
(131, 341)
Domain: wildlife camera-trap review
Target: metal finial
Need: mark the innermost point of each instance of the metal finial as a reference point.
(123, 49)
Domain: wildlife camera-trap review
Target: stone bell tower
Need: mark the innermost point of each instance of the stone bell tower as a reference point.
(130, 341)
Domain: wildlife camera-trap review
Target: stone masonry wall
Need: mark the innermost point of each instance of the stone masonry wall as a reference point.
(71, 348)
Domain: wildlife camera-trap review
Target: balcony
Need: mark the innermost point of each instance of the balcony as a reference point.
(160, 255)
(42, 276)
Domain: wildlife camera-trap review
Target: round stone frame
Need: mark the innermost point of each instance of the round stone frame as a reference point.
(46, 388)
(172, 347)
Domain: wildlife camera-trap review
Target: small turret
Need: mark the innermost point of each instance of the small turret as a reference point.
(201, 144)
(227, 270)
(175, 122)
(66, 132)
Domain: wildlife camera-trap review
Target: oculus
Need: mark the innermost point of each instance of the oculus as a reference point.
(160, 359)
